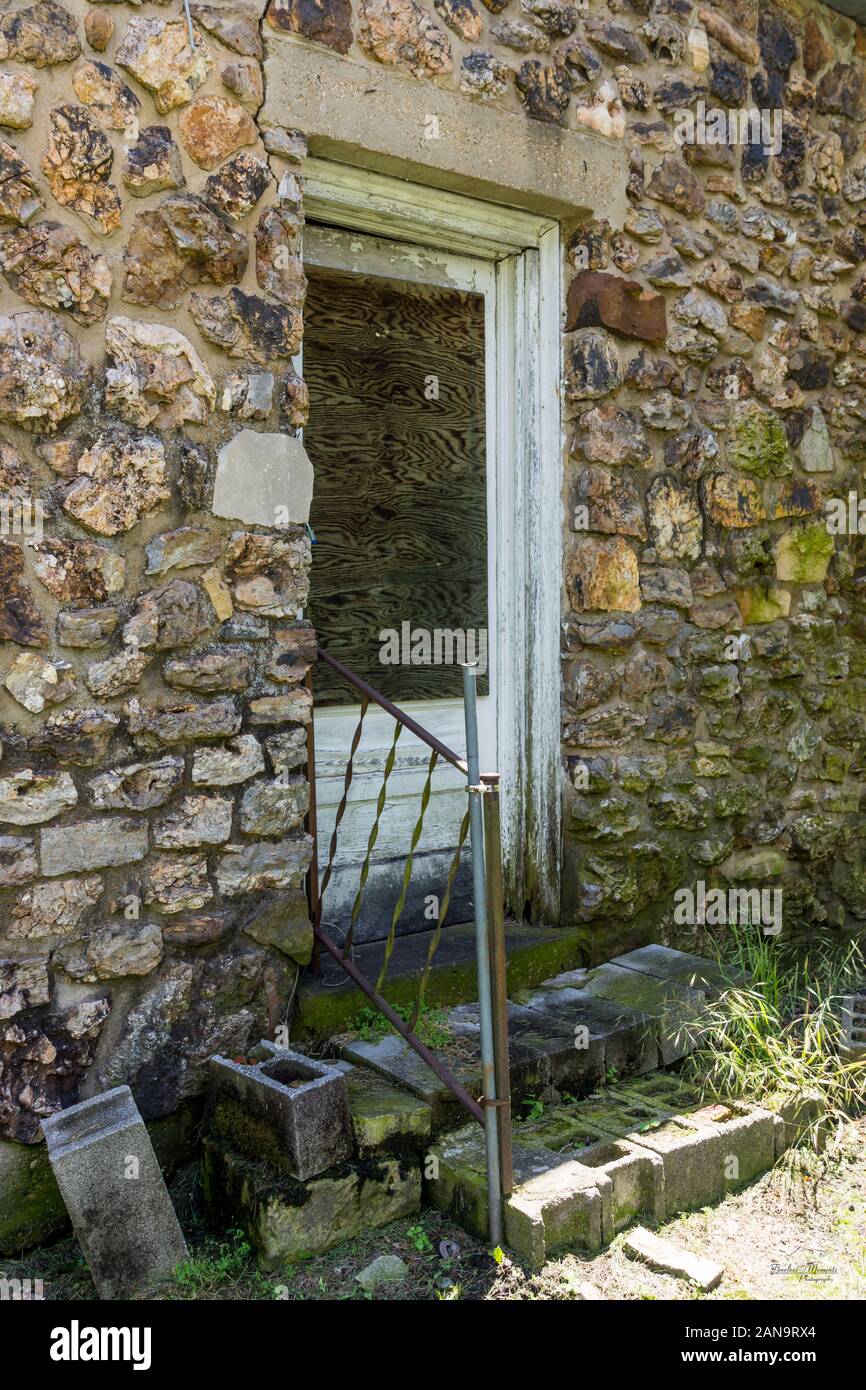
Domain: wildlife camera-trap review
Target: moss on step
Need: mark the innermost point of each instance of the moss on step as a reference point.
(322, 1013)
(384, 1118)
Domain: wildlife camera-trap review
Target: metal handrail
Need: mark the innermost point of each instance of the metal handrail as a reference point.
(395, 712)
(492, 1110)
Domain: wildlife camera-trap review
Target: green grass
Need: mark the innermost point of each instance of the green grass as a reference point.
(780, 1034)
(431, 1026)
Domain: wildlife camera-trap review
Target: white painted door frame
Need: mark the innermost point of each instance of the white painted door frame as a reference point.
(525, 252)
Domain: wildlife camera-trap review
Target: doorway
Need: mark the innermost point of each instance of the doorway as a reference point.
(433, 378)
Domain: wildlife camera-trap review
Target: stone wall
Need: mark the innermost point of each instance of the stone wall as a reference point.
(713, 692)
(153, 569)
(151, 788)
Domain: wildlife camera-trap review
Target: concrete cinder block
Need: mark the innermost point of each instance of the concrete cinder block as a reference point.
(283, 1107)
(693, 1157)
(635, 1187)
(556, 1203)
(114, 1192)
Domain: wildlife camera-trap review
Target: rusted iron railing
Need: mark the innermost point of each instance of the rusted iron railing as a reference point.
(493, 1109)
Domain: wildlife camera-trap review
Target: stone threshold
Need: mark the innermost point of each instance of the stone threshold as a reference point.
(325, 1006)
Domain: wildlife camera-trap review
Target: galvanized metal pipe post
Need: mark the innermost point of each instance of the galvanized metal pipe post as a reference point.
(482, 951)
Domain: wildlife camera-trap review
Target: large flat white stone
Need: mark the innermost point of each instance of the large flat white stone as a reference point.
(263, 479)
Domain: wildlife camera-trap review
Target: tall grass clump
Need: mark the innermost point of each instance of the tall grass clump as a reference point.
(777, 1032)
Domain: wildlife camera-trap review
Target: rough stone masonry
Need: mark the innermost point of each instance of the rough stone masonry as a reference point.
(152, 792)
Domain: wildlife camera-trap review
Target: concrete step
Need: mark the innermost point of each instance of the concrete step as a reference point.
(325, 1004)
(567, 1034)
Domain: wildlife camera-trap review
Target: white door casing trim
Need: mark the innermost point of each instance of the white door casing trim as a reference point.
(526, 252)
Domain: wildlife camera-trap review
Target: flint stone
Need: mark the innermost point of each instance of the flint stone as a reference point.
(173, 615)
(263, 480)
(608, 434)
(153, 164)
(279, 267)
(269, 573)
(17, 93)
(273, 808)
(544, 89)
(48, 265)
(600, 300)
(43, 34)
(53, 909)
(675, 184)
(238, 185)
(325, 21)
(120, 479)
(815, 449)
(158, 377)
(247, 326)
(42, 375)
(29, 798)
(157, 54)
(282, 709)
(136, 787)
(98, 29)
(75, 571)
(19, 198)
(113, 104)
(20, 618)
(77, 164)
(154, 726)
(603, 575)
(249, 395)
(194, 821)
(78, 736)
(128, 1231)
(212, 128)
(23, 984)
(237, 761)
(252, 868)
(675, 522)
(402, 33)
(18, 862)
(35, 682)
(235, 25)
(732, 502)
(114, 951)
(594, 368)
(42, 1065)
(95, 844)
(842, 91)
(181, 243)
(176, 883)
(189, 545)
(217, 668)
(117, 674)
(612, 503)
(287, 751)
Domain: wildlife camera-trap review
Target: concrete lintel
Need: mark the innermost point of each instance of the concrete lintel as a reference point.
(376, 119)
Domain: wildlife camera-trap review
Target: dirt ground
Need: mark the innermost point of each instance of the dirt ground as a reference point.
(792, 1235)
